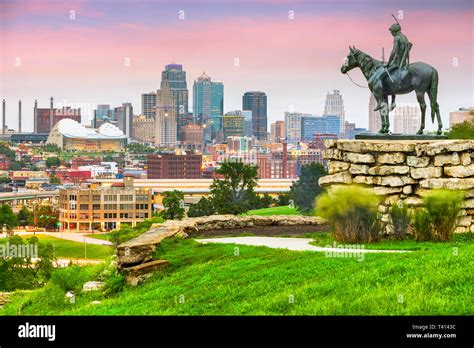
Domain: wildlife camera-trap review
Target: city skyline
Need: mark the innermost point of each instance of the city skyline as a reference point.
(247, 47)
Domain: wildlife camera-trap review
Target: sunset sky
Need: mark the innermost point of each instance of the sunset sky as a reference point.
(248, 45)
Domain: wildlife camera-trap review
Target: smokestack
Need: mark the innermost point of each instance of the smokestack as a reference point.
(19, 116)
(51, 114)
(284, 159)
(35, 117)
(3, 117)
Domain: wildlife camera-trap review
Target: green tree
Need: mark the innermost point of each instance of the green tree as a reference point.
(139, 148)
(51, 148)
(46, 216)
(53, 162)
(283, 199)
(463, 130)
(303, 192)
(7, 216)
(204, 207)
(5, 179)
(25, 217)
(54, 180)
(234, 194)
(5, 149)
(173, 203)
(16, 165)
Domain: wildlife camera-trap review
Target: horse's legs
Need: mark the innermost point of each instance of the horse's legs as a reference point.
(420, 96)
(379, 98)
(384, 113)
(393, 105)
(435, 111)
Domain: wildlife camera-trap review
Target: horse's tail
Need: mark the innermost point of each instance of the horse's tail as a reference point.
(433, 94)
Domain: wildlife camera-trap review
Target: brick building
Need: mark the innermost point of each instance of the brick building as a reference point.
(174, 166)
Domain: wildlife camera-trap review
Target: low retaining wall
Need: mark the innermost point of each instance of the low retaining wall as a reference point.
(404, 170)
(137, 254)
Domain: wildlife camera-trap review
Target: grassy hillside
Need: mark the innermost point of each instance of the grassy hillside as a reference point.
(223, 279)
(284, 210)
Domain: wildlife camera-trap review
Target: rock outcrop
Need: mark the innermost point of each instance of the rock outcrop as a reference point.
(404, 170)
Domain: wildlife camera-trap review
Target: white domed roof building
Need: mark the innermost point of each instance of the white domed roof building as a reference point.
(70, 135)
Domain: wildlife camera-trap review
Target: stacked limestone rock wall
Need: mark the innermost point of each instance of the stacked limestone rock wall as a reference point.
(404, 170)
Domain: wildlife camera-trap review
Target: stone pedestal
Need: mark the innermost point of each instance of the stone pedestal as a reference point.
(404, 170)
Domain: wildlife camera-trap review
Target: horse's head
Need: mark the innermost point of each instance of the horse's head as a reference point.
(350, 62)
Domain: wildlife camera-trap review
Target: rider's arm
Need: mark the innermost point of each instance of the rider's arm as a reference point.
(396, 44)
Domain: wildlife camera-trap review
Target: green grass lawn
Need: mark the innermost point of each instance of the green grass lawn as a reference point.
(69, 249)
(102, 236)
(213, 279)
(284, 210)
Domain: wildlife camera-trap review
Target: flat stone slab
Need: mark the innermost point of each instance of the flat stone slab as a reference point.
(295, 244)
(400, 136)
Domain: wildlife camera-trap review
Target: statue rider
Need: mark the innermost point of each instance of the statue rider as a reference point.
(399, 58)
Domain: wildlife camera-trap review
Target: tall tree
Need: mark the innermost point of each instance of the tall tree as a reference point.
(303, 192)
(234, 193)
(173, 203)
(25, 217)
(7, 217)
(53, 162)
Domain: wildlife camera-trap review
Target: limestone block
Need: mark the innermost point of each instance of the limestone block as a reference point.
(338, 178)
(426, 173)
(385, 218)
(448, 183)
(382, 208)
(464, 221)
(337, 166)
(469, 211)
(466, 158)
(468, 203)
(330, 143)
(384, 190)
(451, 159)
(358, 157)
(364, 146)
(332, 154)
(463, 212)
(391, 180)
(359, 168)
(362, 179)
(445, 146)
(389, 200)
(391, 158)
(388, 170)
(460, 171)
(408, 190)
(461, 229)
(414, 201)
(471, 228)
(418, 162)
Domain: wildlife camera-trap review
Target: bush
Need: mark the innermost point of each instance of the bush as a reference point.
(422, 225)
(114, 283)
(442, 207)
(204, 207)
(72, 278)
(352, 212)
(400, 219)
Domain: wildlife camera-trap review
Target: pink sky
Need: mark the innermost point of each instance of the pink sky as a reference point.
(294, 61)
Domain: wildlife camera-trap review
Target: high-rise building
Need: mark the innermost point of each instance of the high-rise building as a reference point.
(311, 125)
(174, 166)
(351, 130)
(257, 103)
(406, 119)
(335, 106)
(175, 77)
(463, 114)
(124, 118)
(46, 119)
(166, 129)
(194, 137)
(240, 144)
(103, 114)
(293, 127)
(277, 131)
(149, 104)
(375, 122)
(233, 126)
(143, 128)
(208, 103)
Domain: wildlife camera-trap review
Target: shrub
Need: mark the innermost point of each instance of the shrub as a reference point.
(400, 219)
(73, 277)
(442, 207)
(422, 225)
(114, 283)
(352, 212)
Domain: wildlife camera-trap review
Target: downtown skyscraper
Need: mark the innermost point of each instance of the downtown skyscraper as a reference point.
(208, 103)
(165, 119)
(334, 106)
(257, 103)
(175, 78)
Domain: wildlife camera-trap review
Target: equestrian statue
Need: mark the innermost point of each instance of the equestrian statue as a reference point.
(397, 76)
